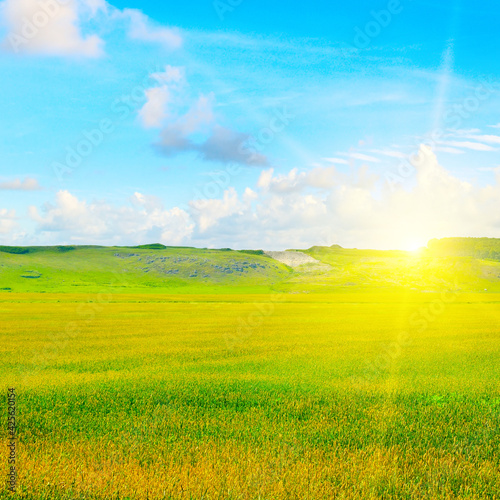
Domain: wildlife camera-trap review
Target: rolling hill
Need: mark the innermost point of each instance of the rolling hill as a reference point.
(471, 264)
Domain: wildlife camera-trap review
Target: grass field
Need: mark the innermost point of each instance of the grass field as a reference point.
(149, 270)
(287, 396)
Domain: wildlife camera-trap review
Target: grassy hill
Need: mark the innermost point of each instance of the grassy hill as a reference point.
(131, 269)
(430, 269)
(459, 263)
(479, 248)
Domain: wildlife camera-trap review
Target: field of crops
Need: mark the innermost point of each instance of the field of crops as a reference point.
(289, 396)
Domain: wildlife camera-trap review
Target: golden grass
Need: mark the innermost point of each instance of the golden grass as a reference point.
(229, 470)
(171, 399)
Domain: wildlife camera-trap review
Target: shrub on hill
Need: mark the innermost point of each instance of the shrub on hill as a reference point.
(152, 246)
(14, 250)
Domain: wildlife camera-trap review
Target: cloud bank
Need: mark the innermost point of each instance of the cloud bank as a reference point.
(322, 206)
(51, 27)
(195, 129)
(27, 184)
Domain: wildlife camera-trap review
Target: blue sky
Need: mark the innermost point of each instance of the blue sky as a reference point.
(248, 124)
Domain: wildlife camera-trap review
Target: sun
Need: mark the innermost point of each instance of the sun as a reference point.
(414, 245)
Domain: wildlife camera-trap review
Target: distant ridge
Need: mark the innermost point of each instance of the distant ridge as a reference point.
(456, 246)
(468, 264)
(479, 248)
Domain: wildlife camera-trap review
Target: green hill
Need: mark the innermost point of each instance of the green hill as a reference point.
(479, 248)
(459, 263)
(426, 270)
(148, 267)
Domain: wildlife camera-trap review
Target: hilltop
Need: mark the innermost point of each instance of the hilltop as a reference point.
(459, 263)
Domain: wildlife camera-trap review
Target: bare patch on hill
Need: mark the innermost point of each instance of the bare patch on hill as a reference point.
(293, 259)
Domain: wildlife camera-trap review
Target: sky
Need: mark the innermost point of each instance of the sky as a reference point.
(249, 124)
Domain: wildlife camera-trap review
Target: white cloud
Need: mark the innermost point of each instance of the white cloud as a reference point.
(357, 210)
(209, 212)
(225, 145)
(96, 6)
(195, 128)
(59, 27)
(175, 137)
(489, 169)
(323, 178)
(171, 75)
(390, 153)
(7, 221)
(217, 143)
(74, 220)
(490, 139)
(28, 184)
(340, 161)
(154, 111)
(53, 27)
(363, 157)
(190, 125)
(296, 209)
(446, 149)
(141, 28)
(475, 146)
(294, 181)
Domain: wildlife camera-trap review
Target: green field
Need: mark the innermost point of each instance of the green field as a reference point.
(150, 269)
(275, 396)
(179, 373)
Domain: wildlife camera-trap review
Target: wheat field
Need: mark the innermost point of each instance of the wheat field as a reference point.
(288, 396)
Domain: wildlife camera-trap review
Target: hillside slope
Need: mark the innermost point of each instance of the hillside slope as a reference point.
(429, 269)
(149, 267)
(456, 263)
(478, 248)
